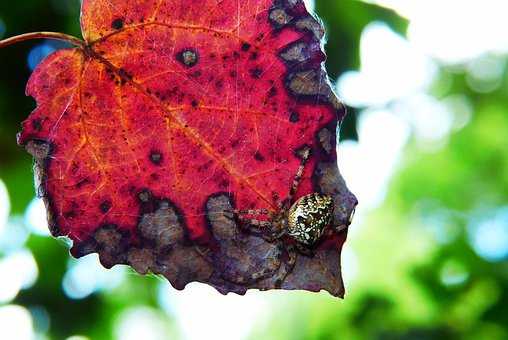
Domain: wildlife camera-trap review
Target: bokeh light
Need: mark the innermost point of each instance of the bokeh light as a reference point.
(16, 323)
(36, 217)
(454, 31)
(143, 323)
(87, 276)
(40, 318)
(391, 68)
(368, 164)
(2, 28)
(14, 235)
(201, 312)
(453, 273)
(38, 53)
(4, 206)
(430, 119)
(485, 74)
(489, 235)
(18, 271)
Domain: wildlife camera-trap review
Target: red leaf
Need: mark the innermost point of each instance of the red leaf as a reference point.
(173, 109)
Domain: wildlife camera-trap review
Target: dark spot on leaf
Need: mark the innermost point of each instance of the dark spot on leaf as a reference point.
(156, 157)
(246, 47)
(294, 117)
(37, 124)
(194, 103)
(188, 57)
(219, 84)
(235, 143)
(117, 24)
(259, 157)
(69, 214)
(272, 92)
(105, 206)
(145, 196)
(256, 72)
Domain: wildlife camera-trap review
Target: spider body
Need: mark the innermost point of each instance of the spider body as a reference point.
(308, 218)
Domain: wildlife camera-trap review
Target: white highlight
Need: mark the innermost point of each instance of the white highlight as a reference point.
(16, 323)
(486, 74)
(13, 236)
(87, 276)
(349, 265)
(430, 119)
(17, 271)
(5, 206)
(36, 217)
(368, 165)
(489, 236)
(142, 323)
(310, 5)
(202, 313)
(454, 31)
(390, 69)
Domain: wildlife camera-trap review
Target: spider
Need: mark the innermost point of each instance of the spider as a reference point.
(303, 221)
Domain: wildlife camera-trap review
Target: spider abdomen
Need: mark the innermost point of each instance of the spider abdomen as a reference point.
(308, 218)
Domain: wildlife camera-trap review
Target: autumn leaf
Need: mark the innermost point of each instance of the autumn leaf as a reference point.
(171, 112)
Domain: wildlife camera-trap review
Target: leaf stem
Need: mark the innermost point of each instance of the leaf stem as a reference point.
(43, 35)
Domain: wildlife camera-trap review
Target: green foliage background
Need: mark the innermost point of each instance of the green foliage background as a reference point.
(399, 291)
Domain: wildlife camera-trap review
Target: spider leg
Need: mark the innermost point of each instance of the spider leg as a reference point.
(305, 250)
(288, 266)
(278, 201)
(252, 212)
(274, 235)
(305, 154)
(265, 229)
(205, 253)
(252, 224)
